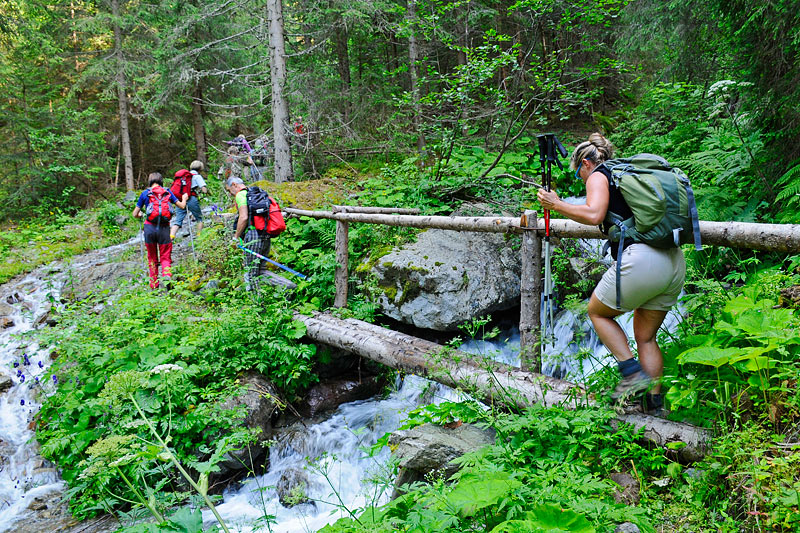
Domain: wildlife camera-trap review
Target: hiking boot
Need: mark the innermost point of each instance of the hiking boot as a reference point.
(630, 385)
(653, 405)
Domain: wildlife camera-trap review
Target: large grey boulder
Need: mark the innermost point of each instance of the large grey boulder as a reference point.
(429, 449)
(259, 398)
(100, 275)
(448, 277)
(330, 394)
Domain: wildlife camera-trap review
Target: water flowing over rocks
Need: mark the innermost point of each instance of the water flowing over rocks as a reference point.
(447, 277)
(430, 449)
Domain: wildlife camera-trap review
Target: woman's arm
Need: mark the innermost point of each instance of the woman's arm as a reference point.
(591, 213)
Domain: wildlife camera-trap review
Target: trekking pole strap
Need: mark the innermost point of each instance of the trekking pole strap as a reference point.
(693, 215)
(287, 269)
(619, 262)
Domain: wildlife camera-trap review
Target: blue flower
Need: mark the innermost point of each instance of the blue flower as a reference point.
(16, 364)
(41, 365)
(22, 378)
(55, 380)
(22, 402)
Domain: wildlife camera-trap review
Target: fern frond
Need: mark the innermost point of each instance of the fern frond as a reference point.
(790, 183)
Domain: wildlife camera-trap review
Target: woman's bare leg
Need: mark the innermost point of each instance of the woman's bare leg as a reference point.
(645, 327)
(610, 333)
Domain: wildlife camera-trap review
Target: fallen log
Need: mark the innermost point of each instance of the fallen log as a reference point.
(490, 381)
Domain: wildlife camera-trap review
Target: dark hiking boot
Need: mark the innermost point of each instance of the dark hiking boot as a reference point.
(629, 386)
(653, 404)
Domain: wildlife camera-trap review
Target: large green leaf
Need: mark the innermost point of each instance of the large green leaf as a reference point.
(547, 518)
(709, 355)
(473, 493)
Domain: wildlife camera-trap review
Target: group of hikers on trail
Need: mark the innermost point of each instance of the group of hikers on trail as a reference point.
(162, 222)
(258, 216)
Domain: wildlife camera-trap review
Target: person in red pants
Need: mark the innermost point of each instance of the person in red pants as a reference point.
(155, 204)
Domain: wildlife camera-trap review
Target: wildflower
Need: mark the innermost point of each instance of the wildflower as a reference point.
(19, 373)
(27, 361)
(55, 380)
(22, 402)
(16, 364)
(165, 369)
(36, 378)
(22, 378)
(41, 365)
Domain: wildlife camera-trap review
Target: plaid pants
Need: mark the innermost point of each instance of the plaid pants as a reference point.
(259, 243)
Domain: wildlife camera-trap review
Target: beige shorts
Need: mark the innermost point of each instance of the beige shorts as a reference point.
(652, 278)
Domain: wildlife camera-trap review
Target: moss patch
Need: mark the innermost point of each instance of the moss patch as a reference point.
(311, 194)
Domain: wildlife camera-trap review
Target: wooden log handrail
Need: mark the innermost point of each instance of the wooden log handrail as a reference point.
(751, 235)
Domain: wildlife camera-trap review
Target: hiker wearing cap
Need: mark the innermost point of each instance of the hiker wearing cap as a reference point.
(154, 204)
(244, 232)
(651, 279)
(196, 185)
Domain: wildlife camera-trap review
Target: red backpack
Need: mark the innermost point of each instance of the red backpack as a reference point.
(182, 184)
(265, 213)
(159, 209)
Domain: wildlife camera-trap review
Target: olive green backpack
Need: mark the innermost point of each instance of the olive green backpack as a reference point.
(662, 202)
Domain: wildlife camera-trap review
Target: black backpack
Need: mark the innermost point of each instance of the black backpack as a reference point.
(258, 203)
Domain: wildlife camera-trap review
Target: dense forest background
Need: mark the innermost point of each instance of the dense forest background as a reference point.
(94, 95)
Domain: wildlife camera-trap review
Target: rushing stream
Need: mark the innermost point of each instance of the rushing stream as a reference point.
(24, 476)
(327, 459)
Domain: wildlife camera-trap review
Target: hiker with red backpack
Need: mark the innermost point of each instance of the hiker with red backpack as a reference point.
(155, 205)
(259, 219)
(182, 188)
(194, 183)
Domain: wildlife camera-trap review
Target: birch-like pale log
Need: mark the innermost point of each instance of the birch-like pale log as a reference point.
(487, 380)
(530, 349)
(769, 237)
(376, 210)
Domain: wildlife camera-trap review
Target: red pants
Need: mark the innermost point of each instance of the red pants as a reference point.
(159, 252)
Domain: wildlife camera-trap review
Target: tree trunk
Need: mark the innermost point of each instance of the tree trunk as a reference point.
(487, 380)
(413, 59)
(124, 129)
(199, 125)
(340, 38)
(280, 108)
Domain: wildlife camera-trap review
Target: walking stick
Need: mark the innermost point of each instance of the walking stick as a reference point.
(548, 144)
(287, 269)
(141, 246)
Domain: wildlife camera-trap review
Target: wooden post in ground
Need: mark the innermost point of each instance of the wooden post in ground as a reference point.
(530, 295)
(342, 259)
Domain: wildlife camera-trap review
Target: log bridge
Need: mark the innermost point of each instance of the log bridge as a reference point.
(488, 380)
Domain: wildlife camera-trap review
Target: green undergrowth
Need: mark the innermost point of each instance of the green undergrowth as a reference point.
(42, 240)
(548, 470)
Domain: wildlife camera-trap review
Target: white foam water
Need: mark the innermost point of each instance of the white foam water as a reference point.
(332, 460)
